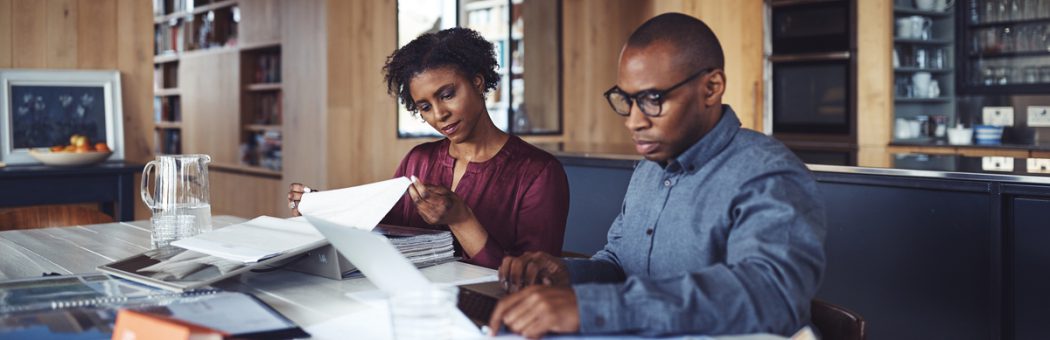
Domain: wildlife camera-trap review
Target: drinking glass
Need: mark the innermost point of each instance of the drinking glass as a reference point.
(423, 314)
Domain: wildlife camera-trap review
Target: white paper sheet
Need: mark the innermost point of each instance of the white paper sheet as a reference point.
(360, 207)
(373, 255)
(254, 240)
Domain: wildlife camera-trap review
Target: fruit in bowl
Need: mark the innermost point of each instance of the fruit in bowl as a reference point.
(78, 152)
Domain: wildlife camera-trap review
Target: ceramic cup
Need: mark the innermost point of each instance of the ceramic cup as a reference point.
(904, 28)
(921, 83)
(925, 5)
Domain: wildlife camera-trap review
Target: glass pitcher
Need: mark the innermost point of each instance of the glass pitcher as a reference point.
(179, 201)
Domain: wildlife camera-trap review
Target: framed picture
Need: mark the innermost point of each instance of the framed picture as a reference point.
(43, 108)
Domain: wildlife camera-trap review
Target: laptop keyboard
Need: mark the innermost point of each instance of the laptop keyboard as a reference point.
(476, 306)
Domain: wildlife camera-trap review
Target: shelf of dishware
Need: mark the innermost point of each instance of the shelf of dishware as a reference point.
(944, 99)
(921, 69)
(915, 11)
(923, 41)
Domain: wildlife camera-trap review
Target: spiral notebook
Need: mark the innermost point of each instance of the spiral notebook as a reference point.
(85, 307)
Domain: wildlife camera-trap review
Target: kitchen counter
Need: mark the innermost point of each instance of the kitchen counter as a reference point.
(1007, 146)
(995, 169)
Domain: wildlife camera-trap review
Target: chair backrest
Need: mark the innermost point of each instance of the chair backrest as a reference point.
(837, 323)
(43, 216)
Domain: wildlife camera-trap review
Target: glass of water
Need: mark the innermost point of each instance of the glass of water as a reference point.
(423, 314)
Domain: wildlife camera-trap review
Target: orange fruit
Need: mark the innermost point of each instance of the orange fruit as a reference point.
(57, 148)
(69, 148)
(101, 147)
(82, 148)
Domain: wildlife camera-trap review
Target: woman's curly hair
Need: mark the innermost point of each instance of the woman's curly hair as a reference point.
(461, 48)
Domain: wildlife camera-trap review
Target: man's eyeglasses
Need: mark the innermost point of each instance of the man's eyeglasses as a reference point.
(649, 101)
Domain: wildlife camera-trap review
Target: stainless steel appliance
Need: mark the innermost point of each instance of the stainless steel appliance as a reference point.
(811, 91)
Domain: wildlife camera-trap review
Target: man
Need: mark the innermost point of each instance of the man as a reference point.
(721, 230)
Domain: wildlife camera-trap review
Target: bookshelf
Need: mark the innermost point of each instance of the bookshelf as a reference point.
(261, 106)
(218, 91)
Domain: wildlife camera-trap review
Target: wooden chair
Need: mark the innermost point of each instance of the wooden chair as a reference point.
(837, 323)
(43, 216)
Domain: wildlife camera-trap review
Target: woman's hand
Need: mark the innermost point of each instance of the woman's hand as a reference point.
(438, 205)
(295, 194)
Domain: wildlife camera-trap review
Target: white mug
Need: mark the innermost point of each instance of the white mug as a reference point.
(902, 129)
(925, 5)
(935, 89)
(921, 84)
(920, 26)
(904, 28)
(942, 5)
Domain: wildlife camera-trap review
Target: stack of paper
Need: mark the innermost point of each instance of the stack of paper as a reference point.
(422, 247)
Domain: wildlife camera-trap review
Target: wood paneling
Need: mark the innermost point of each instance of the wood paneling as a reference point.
(985, 152)
(593, 32)
(304, 55)
(96, 46)
(242, 195)
(261, 21)
(89, 34)
(541, 58)
(210, 115)
(5, 34)
(134, 36)
(1040, 154)
(933, 150)
(874, 73)
(61, 46)
(738, 27)
(29, 34)
(362, 119)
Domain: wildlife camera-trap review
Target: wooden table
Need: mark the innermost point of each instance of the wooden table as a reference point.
(111, 184)
(309, 301)
(306, 299)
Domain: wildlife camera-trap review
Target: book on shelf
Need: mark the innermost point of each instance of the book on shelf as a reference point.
(268, 110)
(86, 306)
(268, 68)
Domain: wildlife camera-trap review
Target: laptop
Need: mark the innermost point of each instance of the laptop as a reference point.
(392, 272)
(478, 301)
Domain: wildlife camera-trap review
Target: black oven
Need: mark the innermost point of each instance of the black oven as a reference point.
(811, 88)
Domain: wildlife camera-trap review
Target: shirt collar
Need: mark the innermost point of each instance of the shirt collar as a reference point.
(710, 145)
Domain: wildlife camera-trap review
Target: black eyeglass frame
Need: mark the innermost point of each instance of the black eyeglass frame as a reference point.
(659, 95)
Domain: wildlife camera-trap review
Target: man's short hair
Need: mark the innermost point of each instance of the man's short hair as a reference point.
(693, 38)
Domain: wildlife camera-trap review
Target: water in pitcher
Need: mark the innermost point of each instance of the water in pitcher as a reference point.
(201, 216)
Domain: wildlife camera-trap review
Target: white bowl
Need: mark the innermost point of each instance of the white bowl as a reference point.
(70, 158)
(960, 136)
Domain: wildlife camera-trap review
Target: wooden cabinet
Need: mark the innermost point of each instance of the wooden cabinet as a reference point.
(1031, 257)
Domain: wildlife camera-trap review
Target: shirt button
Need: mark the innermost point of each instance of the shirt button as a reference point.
(649, 231)
(599, 321)
(667, 183)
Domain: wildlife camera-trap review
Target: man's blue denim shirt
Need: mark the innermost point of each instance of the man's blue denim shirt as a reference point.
(726, 238)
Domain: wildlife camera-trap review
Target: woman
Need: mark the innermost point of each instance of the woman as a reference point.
(495, 192)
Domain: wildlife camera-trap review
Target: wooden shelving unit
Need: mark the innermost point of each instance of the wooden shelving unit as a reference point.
(264, 87)
(207, 100)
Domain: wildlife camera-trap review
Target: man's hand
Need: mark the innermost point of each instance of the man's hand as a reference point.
(531, 268)
(537, 310)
